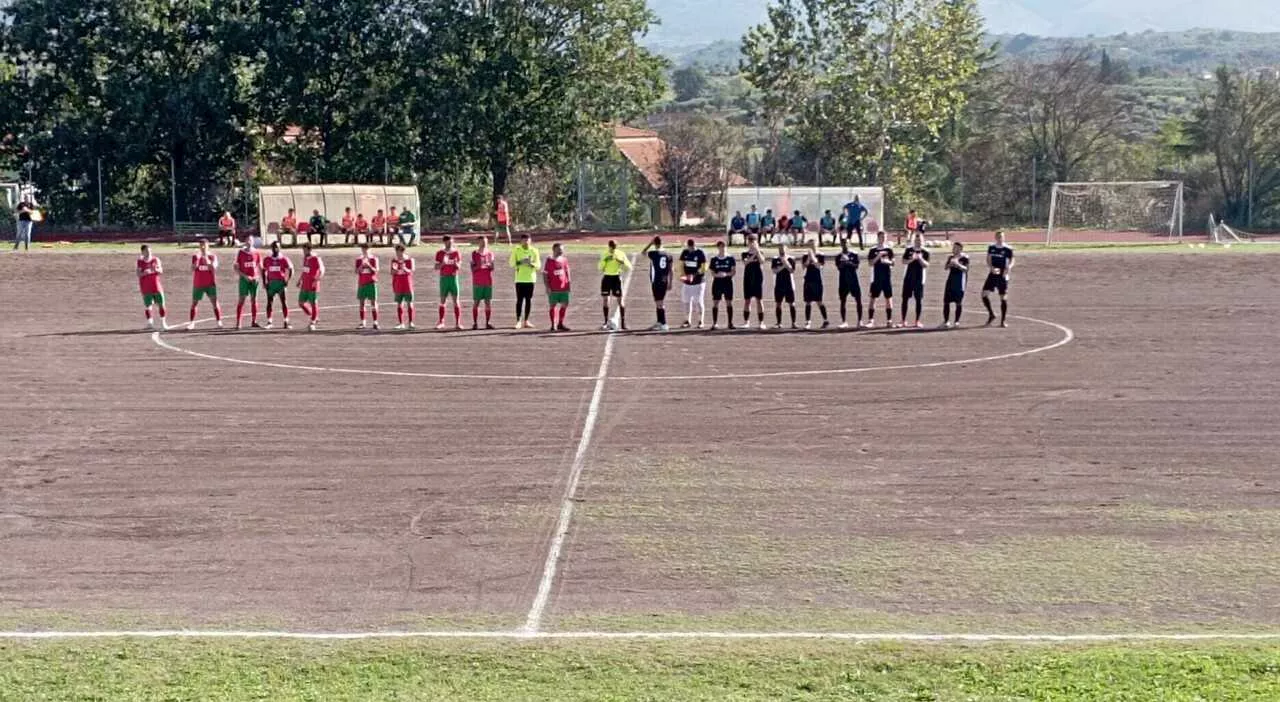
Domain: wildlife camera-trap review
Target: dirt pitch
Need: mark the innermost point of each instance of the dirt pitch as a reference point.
(1124, 481)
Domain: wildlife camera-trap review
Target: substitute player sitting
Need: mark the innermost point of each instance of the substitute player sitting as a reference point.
(448, 263)
(402, 288)
(288, 226)
(379, 227)
(149, 284)
(916, 258)
(957, 280)
(660, 278)
(768, 225)
(812, 262)
(827, 227)
(612, 263)
(204, 282)
(249, 268)
(277, 271)
(1000, 261)
(555, 274)
(347, 226)
(309, 286)
(367, 285)
(318, 226)
(693, 276)
(799, 223)
(738, 226)
(361, 228)
(784, 285)
(880, 258)
(226, 230)
(722, 267)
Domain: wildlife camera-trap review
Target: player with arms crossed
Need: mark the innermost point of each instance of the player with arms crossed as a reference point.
(149, 272)
(880, 258)
(309, 285)
(612, 263)
(277, 271)
(555, 273)
(784, 286)
(722, 268)
(249, 267)
(660, 275)
(1000, 260)
(449, 262)
(693, 265)
(402, 289)
(917, 260)
(957, 280)
(482, 265)
(204, 282)
(367, 284)
(847, 272)
(812, 262)
(753, 282)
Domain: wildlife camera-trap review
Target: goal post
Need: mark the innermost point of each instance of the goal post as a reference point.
(1153, 207)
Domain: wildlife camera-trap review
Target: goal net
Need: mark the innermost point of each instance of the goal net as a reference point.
(1093, 210)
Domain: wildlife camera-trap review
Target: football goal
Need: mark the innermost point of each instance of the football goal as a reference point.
(1223, 233)
(1092, 209)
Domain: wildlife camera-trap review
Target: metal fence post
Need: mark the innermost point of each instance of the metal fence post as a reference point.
(101, 208)
(173, 188)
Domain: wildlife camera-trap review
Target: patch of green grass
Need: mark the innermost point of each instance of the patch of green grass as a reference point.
(284, 671)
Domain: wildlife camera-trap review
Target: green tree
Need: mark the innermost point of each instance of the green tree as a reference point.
(777, 64)
(506, 84)
(1238, 125)
(696, 162)
(689, 83)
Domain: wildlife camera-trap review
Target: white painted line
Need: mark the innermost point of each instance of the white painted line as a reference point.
(534, 620)
(890, 637)
(1067, 337)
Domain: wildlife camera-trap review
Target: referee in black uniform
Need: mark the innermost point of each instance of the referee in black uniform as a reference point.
(722, 268)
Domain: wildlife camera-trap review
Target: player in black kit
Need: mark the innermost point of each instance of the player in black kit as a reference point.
(880, 258)
(660, 271)
(722, 268)
(1000, 259)
(812, 262)
(753, 282)
(784, 286)
(847, 269)
(957, 279)
(917, 260)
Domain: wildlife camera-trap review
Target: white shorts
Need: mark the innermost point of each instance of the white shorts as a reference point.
(691, 293)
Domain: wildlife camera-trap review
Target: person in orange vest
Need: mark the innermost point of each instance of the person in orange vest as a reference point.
(226, 230)
(348, 225)
(379, 226)
(288, 225)
(504, 217)
(361, 227)
(393, 224)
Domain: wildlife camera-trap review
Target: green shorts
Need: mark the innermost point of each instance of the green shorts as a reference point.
(448, 286)
(308, 296)
(482, 293)
(198, 294)
(558, 298)
(367, 292)
(276, 287)
(248, 288)
(149, 299)
(404, 297)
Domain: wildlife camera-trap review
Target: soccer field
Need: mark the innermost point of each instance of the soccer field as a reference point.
(1103, 466)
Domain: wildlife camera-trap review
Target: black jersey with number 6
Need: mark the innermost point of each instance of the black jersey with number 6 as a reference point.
(659, 267)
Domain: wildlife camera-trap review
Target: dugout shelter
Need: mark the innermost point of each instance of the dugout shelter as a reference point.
(275, 201)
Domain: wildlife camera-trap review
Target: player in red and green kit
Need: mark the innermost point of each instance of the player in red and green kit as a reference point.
(277, 271)
(249, 266)
(367, 284)
(204, 282)
(555, 271)
(402, 286)
(149, 271)
(482, 264)
(309, 285)
(449, 262)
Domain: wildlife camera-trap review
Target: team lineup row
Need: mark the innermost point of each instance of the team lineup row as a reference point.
(275, 272)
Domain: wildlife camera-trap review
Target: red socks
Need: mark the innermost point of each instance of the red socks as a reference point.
(400, 314)
(457, 315)
(412, 313)
(441, 320)
(475, 314)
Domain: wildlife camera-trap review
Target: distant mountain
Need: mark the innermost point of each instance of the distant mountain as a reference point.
(695, 22)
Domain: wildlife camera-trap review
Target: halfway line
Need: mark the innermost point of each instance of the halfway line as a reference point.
(534, 621)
